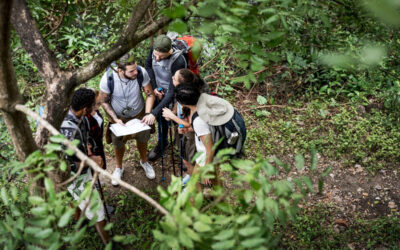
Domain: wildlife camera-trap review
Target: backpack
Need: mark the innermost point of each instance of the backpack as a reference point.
(185, 44)
(233, 133)
(110, 78)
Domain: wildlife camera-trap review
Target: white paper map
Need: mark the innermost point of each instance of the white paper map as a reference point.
(131, 127)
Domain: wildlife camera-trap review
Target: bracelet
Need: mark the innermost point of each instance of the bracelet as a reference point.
(147, 114)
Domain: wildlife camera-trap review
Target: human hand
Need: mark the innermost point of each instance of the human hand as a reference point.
(182, 130)
(158, 94)
(168, 114)
(149, 119)
(119, 121)
(97, 159)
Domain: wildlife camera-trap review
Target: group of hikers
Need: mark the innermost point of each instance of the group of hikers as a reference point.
(174, 94)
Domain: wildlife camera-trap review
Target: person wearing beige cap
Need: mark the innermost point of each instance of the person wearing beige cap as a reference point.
(161, 64)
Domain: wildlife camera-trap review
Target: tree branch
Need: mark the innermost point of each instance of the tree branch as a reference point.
(137, 15)
(90, 162)
(33, 41)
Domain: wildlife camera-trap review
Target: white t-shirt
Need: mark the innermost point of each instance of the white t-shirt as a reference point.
(200, 128)
(126, 95)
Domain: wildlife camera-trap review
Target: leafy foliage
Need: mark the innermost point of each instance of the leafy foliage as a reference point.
(246, 218)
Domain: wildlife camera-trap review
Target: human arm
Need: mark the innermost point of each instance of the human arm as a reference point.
(105, 103)
(149, 68)
(208, 143)
(149, 118)
(169, 96)
(168, 114)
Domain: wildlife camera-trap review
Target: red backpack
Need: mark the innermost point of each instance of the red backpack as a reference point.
(191, 48)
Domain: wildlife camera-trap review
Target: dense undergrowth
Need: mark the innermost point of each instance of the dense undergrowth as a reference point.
(324, 104)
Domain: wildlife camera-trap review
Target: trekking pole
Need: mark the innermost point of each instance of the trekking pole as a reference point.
(181, 150)
(160, 132)
(172, 147)
(100, 189)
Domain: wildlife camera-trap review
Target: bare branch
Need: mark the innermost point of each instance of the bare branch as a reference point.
(137, 15)
(90, 162)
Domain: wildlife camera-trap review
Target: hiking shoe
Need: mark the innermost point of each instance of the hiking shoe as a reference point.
(155, 153)
(117, 174)
(148, 169)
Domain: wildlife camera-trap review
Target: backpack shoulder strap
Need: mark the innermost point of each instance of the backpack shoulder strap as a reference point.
(110, 80)
(194, 116)
(140, 77)
(175, 55)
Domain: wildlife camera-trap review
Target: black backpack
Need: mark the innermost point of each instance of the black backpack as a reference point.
(110, 78)
(233, 133)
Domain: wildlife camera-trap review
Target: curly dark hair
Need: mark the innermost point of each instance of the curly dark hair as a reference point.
(82, 98)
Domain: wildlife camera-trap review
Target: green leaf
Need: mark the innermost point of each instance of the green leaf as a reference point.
(269, 169)
(248, 195)
(201, 227)
(65, 218)
(260, 204)
(63, 166)
(299, 161)
(50, 189)
(230, 28)
(252, 242)
(272, 19)
(314, 159)
(207, 10)
(243, 218)
(39, 211)
(228, 244)
(35, 200)
(198, 201)
(272, 206)
(186, 241)
(192, 234)
(178, 26)
(4, 196)
(326, 171)
(247, 231)
(53, 147)
(261, 100)
(60, 138)
(225, 234)
(44, 233)
(178, 11)
(308, 182)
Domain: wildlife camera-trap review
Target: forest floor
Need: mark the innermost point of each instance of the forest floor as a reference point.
(354, 194)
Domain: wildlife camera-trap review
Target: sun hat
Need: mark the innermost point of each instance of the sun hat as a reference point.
(214, 110)
(162, 43)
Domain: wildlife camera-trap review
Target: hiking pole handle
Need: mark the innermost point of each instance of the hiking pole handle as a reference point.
(181, 149)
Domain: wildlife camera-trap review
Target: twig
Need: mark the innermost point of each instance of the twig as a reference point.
(222, 197)
(74, 176)
(247, 96)
(90, 162)
(274, 106)
(59, 24)
(212, 59)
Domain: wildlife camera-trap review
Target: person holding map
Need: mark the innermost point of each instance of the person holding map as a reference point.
(122, 100)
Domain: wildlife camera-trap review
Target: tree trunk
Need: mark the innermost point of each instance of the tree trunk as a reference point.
(16, 122)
